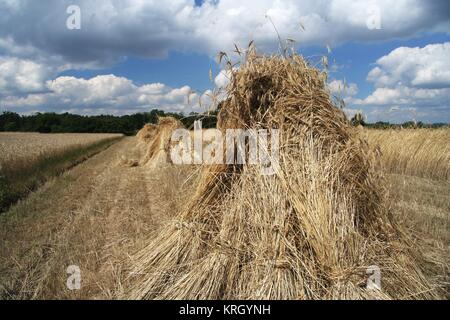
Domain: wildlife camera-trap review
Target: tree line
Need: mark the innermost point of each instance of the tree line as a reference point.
(358, 120)
(130, 124)
(72, 123)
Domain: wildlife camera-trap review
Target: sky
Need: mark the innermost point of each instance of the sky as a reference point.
(388, 59)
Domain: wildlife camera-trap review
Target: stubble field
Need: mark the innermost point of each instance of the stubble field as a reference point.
(98, 214)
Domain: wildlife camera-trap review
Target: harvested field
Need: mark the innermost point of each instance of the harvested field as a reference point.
(109, 212)
(269, 153)
(139, 227)
(309, 232)
(94, 216)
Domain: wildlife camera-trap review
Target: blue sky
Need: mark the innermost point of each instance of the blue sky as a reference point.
(354, 59)
(130, 56)
(175, 70)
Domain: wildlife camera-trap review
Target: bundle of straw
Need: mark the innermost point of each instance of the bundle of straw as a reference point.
(310, 231)
(147, 133)
(157, 140)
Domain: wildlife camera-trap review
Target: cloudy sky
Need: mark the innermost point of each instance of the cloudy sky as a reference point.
(390, 59)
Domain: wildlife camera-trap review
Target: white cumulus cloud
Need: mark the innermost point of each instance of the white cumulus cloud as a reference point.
(105, 93)
(112, 29)
(36, 46)
(426, 67)
(412, 76)
(21, 76)
(413, 83)
(343, 90)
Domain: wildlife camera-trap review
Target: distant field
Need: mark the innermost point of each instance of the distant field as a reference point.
(29, 159)
(28, 145)
(418, 152)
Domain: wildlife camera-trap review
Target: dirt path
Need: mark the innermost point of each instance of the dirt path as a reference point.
(94, 217)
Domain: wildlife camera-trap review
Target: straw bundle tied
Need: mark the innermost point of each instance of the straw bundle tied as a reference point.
(308, 232)
(157, 140)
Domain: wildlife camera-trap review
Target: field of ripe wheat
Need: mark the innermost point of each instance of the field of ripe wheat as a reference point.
(418, 152)
(14, 145)
(29, 159)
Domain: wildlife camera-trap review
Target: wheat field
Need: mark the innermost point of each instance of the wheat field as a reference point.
(418, 152)
(27, 160)
(15, 145)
